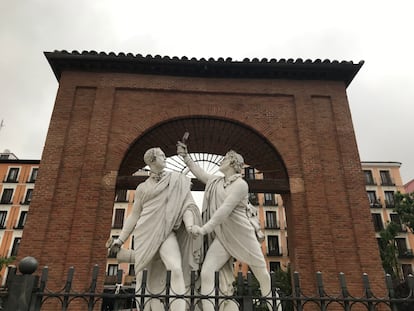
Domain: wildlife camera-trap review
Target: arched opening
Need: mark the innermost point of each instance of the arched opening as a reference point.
(209, 138)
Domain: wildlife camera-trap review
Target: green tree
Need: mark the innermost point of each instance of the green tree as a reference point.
(5, 261)
(404, 206)
(389, 251)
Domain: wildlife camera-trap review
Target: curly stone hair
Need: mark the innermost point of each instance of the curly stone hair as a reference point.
(236, 160)
(149, 155)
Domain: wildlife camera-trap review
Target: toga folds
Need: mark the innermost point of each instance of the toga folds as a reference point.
(162, 205)
(235, 232)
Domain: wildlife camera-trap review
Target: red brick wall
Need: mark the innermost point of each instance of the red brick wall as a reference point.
(98, 116)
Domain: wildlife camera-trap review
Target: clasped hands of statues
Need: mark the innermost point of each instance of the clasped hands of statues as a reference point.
(182, 151)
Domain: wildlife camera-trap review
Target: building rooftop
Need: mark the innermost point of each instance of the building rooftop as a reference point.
(291, 69)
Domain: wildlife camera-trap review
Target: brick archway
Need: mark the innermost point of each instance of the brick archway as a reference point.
(209, 134)
(106, 104)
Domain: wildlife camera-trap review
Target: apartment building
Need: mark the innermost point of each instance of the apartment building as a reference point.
(382, 180)
(17, 179)
(409, 187)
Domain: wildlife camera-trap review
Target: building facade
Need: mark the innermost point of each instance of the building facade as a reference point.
(382, 180)
(17, 179)
(409, 187)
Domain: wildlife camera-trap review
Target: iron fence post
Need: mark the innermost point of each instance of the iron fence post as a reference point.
(22, 287)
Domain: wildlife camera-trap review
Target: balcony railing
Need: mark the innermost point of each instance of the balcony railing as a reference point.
(275, 253)
(389, 204)
(406, 253)
(375, 204)
(388, 182)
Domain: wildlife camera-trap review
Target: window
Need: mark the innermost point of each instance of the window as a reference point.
(269, 199)
(396, 219)
(273, 245)
(3, 216)
(112, 269)
(13, 173)
(377, 220)
(6, 198)
(15, 247)
(401, 246)
(33, 175)
(249, 173)
(372, 197)
(389, 199)
(28, 197)
(369, 180)
(121, 195)
(274, 266)
(22, 220)
(119, 218)
(131, 270)
(386, 178)
(271, 220)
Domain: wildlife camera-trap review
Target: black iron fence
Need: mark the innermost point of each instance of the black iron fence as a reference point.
(26, 292)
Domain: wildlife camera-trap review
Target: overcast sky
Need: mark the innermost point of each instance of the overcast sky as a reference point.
(381, 96)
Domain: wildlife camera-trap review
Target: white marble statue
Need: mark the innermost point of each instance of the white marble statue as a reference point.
(161, 221)
(226, 223)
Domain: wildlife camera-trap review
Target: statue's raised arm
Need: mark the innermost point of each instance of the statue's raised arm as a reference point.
(198, 172)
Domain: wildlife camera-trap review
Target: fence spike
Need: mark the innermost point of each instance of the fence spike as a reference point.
(192, 290)
(119, 274)
(390, 287)
(367, 286)
(319, 280)
(296, 283)
(240, 283)
(69, 279)
(216, 281)
(143, 288)
(216, 290)
(342, 282)
(410, 282)
(43, 278)
(273, 280)
(95, 272)
(249, 284)
(93, 286)
(168, 281)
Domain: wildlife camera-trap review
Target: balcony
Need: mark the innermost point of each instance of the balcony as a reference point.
(129, 280)
(406, 253)
(110, 280)
(272, 225)
(274, 253)
(389, 204)
(370, 182)
(387, 182)
(375, 204)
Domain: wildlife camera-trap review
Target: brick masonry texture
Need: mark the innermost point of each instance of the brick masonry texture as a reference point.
(98, 116)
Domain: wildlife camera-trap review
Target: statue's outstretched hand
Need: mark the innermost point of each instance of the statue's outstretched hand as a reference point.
(114, 247)
(182, 149)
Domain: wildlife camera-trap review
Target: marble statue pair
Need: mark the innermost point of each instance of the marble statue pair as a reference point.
(170, 233)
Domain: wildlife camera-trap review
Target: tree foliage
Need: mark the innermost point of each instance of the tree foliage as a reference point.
(404, 206)
(389, 250)
(5, 261)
